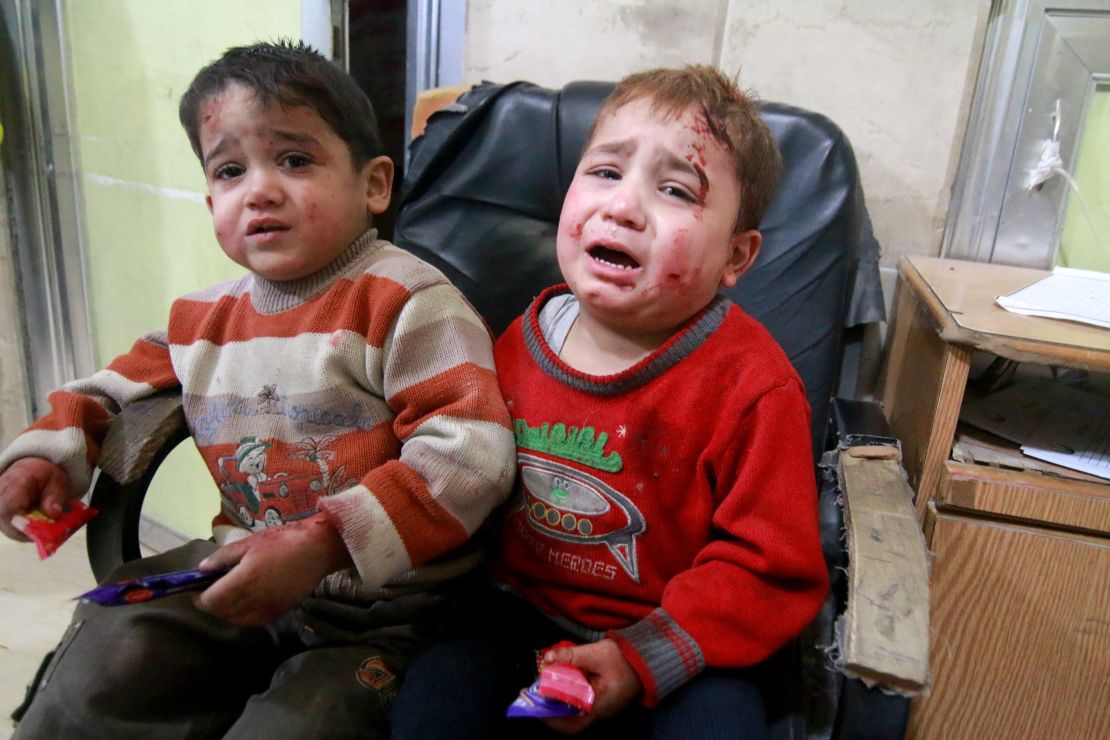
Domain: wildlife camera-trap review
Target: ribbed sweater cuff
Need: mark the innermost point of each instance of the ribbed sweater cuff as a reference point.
(663, 654)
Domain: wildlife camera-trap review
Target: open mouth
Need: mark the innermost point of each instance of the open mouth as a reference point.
(265, 227)
(613, 258)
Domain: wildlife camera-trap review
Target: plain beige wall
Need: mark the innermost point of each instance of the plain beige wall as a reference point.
(895, 76)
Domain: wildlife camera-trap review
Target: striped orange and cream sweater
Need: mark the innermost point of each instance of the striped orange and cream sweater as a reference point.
(366, 391)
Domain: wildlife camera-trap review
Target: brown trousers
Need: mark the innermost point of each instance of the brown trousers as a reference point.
(164, 669)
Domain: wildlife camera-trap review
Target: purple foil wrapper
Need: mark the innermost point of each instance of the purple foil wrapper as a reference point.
(148, 588)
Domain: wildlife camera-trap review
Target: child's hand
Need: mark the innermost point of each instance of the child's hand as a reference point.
(615, 684)
(273, 570)
(31, 483)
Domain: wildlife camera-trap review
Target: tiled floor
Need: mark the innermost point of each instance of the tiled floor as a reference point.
(36, 602)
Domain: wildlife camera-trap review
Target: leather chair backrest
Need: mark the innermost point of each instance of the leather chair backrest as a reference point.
(486, 182)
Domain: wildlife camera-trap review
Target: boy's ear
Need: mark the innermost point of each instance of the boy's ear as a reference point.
(379, 184)
(743, 249)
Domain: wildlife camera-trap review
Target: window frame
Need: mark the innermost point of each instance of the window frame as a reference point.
(1036, 53)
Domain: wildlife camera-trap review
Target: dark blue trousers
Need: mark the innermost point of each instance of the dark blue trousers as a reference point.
(460, 687)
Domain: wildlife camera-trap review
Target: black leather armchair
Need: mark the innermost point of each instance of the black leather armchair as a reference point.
(481, 201)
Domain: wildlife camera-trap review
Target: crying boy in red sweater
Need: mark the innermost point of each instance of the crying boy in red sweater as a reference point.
(665, 517)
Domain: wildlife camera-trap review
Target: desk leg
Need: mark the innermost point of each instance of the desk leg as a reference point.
(923, 390)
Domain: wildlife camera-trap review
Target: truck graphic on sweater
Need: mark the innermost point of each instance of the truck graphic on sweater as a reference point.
(261, 499)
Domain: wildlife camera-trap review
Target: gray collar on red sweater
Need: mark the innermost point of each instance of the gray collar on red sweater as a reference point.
(688, 338)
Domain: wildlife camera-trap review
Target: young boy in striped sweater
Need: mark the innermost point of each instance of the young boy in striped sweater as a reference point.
(342, 394)
(665, 518)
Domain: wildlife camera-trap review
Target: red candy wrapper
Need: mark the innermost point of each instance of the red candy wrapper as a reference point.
(47, 533)
(560, 691)
(567, 684)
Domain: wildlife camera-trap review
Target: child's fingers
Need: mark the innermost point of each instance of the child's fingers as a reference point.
(560, 655)
(232, 596)
(588, 657)
(55, 495)
(21, 489)
(10, 529)
(226, 557)
(569, 725)
(12, 503)
(220, 599)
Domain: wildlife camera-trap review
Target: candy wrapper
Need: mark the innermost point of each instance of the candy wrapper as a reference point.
(49, 533)
(560, 691)
(147, 588)
(567, 684)
(530, 703)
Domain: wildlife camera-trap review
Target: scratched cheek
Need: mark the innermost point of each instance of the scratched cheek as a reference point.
(679, 276)
(679, 269)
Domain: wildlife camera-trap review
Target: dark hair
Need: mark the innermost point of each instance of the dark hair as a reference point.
(732, 118)
(291, 74)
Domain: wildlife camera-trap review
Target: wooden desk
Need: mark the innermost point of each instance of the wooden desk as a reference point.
(1020, 580)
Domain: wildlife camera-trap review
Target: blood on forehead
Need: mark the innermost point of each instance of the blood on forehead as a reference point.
(210, 111)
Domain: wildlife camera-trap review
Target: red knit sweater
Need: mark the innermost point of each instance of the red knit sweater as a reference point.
(671, 506)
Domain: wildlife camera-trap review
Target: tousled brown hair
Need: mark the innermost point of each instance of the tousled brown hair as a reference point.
(289, 73)
(733, 119)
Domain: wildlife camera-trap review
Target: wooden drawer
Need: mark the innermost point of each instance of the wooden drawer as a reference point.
(1021, 633)
(1032, 497)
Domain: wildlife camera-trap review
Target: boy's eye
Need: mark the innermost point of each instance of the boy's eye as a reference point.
(228, 172)
(676, 191)
(295, 160)
(605, 173)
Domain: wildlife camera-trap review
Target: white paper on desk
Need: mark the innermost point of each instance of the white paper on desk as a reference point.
(1068, 293)
(1081, 442)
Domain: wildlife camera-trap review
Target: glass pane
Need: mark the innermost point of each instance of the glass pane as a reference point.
(1085, 239)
